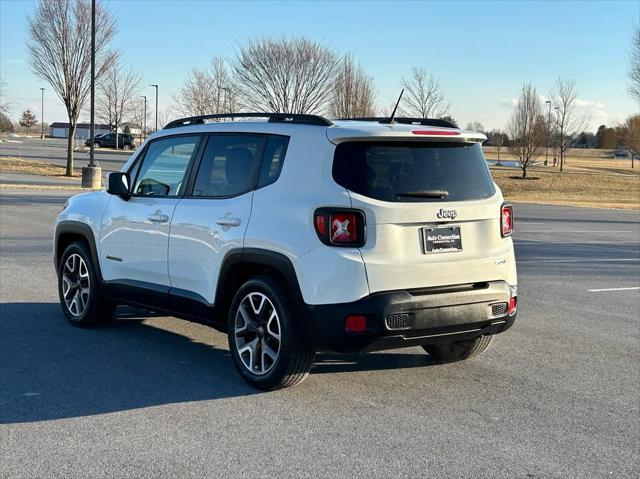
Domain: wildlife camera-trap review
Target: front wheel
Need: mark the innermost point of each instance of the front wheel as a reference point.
(80, 297)
(263, 336)
(460, 350)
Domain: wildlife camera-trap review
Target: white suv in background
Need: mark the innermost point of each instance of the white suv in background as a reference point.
(294, 234)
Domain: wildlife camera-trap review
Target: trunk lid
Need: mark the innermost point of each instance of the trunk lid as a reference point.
(432, 212)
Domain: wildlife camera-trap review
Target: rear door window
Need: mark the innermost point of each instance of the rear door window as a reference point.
(413, 171)
(229, 165)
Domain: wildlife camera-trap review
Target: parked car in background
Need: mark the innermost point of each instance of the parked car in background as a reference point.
(620, 154)
(125, 141)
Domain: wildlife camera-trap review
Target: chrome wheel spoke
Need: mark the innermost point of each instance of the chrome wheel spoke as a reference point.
(76, 285)
(257, 333)
(273, 326)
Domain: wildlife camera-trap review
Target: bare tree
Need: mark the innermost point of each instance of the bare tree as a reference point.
(423, 96)
(634, 71)
(207, 91)
(285, 75)
(569, 121)
(116, 95)
(496, 137)
(354, 93)
(60, 52)
(164, 117)
(526, 128)
(631, 137)
(475, 126)
(27, 120)
(138, 116)
(5, 107)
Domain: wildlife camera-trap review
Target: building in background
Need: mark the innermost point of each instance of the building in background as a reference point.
(58, 129)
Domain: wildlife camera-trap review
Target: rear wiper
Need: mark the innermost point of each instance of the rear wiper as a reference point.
(425, 194)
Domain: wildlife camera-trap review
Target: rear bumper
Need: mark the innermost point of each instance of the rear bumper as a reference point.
(410, 318)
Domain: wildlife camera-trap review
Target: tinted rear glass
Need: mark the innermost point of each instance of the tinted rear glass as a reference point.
(386, 171)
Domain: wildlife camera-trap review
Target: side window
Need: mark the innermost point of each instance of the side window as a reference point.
(272, 160)
(164, 166)
(229, 165)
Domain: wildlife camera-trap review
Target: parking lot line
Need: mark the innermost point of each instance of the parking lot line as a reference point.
(585, 260)
(613, 289)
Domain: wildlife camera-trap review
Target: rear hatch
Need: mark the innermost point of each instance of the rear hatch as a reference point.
(432, 211)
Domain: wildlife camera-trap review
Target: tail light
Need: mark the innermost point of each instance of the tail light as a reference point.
(340, 226)
(513, 305)
(506, 220)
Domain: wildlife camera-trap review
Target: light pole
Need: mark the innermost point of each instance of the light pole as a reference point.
(92, 175)
(546, 155)
(156, 87)
(557, 110)
(144, 118)
(42, 114)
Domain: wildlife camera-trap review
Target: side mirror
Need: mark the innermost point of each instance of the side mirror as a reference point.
(119, 184)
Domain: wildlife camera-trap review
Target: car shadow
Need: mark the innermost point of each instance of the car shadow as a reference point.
(51, 370)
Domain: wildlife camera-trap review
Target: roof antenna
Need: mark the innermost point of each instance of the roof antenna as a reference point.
(393, 115)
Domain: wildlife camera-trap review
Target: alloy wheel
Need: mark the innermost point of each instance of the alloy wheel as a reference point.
(76, 285)
(257, 333)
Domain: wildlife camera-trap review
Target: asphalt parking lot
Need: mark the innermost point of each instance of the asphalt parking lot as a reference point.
(556, 396)
(54, 151)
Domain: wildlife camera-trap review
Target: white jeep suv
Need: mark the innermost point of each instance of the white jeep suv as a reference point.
(295, 234)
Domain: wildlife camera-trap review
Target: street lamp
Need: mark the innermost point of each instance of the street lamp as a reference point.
(156, 87)
(144, 118)
(557, 110)
(42, 114)
(546, 155)
(92, 174)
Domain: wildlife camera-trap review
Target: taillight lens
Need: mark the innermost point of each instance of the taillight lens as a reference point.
(506, 220)
(340, 226)
(513, 305)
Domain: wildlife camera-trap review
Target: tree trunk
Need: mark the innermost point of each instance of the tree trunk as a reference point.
(72, 133)
(524, 172)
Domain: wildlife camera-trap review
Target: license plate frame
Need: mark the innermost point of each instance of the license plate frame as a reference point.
(441, 239)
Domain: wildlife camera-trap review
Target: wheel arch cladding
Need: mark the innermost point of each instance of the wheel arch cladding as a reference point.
(240, 265)
(68, 232)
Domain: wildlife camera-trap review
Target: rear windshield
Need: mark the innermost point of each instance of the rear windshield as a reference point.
(413, 171)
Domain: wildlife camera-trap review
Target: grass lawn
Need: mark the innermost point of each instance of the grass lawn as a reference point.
(599, 183)
(9, 164)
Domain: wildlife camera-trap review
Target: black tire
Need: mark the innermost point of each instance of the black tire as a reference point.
(97, 144)
(460, 350)
(97, 309)
(294, 360)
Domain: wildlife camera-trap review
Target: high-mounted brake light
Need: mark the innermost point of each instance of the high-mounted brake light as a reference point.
(506, 220)
(436, 132)
(340, 226)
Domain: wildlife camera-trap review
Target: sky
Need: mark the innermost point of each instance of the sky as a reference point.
(480, 51)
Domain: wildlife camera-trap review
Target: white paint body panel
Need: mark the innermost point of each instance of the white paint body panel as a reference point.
(198, 244)
(393, 253)
(140, 244)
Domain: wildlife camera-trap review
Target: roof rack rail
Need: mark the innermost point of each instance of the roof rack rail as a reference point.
(272, 117)
(407, 121)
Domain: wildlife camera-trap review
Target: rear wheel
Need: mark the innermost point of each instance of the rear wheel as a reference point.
(459, 350)
(263, 337)
(80, 297)
(97, 144)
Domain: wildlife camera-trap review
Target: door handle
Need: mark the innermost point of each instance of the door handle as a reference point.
(227, 221)
(158, 218)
